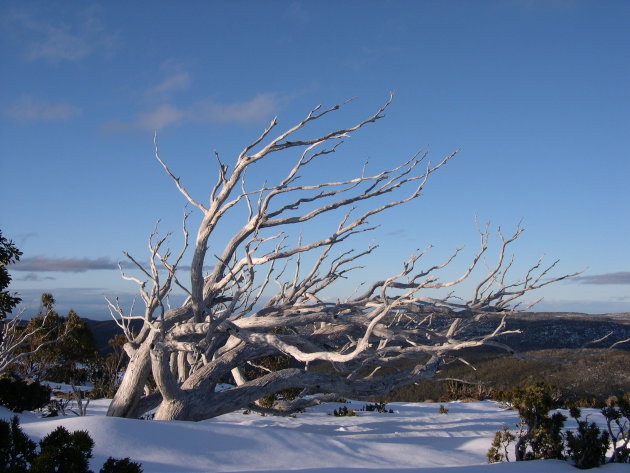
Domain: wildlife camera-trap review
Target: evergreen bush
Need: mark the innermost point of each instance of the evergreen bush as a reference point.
(17, 451)
(64, 452)
(344, 412)
(587, 447)
(59, 452)
(380, 407)
(541, 436)
(18, 395)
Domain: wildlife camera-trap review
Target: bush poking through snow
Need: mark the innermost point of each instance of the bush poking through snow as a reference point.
(62, 451)
(380, 407)
(540, 435)
(498, 452)
(59, 452)
(588, 446)
(343, 411)
(617, 414)
(442, 409)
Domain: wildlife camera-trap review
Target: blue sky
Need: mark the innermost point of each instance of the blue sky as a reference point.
(535, 94)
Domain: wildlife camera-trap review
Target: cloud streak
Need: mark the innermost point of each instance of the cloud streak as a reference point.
(70, 41)
(35, 277)
(43, 264)
(257, 109)
(35, 264)
(159, 118)
(172, 83)
(29, 109)
(621, 277)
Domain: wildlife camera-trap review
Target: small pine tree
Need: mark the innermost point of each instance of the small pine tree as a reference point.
(64, 452)
(442, 409)
(546, 441)
(17, 451)
(498, 452)
(587, 447)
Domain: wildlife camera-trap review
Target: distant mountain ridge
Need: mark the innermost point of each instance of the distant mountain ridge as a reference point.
(558, 330)
(541, 330)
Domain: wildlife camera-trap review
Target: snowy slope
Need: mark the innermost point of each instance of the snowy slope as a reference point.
(416, 438)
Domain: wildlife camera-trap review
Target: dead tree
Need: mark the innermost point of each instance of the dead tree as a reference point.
(228, 323)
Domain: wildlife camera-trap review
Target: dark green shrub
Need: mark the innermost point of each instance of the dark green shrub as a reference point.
(120, 466)
(64, 452)
(344, 412)
(59, 452)
(442, 409)
(377, 407)
(18, 395)
(574, 410)
(588, 446)
(16, 449)
(541, 434)
(546, 440)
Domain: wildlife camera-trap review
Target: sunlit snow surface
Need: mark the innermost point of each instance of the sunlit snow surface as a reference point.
(416, 438)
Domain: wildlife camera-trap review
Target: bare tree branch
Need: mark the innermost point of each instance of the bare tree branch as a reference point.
(232, 324)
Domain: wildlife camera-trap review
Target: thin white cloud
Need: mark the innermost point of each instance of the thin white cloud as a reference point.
(81, 35)
(59, 45)
(174, 82)
(255, 110)
(29, 109)
(161, 117)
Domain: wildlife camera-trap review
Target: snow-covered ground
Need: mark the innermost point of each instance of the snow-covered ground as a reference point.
(415, 438)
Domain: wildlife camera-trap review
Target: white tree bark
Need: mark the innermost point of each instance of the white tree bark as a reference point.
(223, 327)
